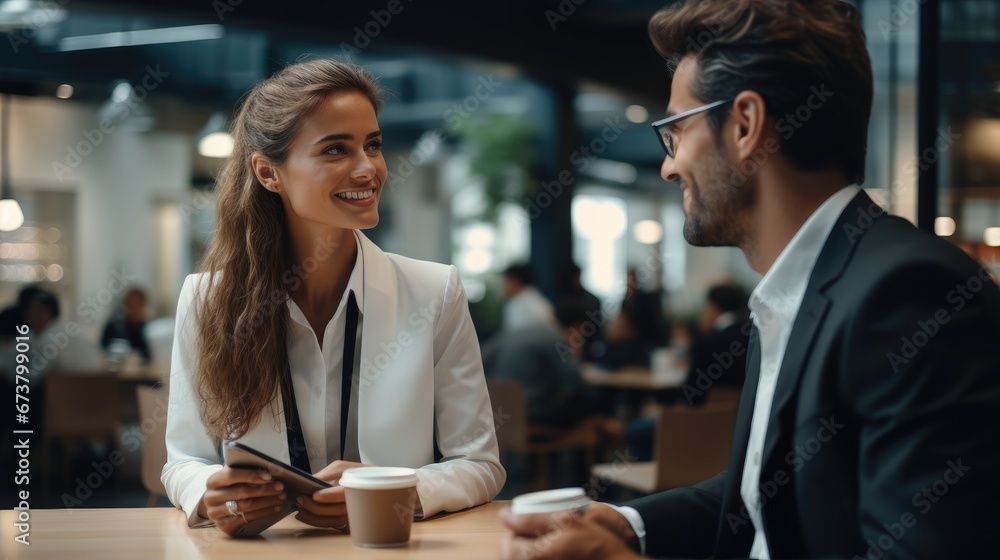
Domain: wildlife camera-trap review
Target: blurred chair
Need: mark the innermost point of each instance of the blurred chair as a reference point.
(79, 407)
(515, 433)
(692, 444)
(153, 407)
(723, 394)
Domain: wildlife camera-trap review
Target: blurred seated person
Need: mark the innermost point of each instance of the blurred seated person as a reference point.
(129, 324)
(718, 358)
(594, 348)
(525, 305)
(55, 345)
(13, 316)
(718, 349)
(546, 364)
(638, 328)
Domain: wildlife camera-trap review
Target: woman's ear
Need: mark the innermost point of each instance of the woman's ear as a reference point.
(749, 133)
(265, 172)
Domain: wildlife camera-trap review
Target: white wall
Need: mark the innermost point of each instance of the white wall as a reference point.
(115, 179)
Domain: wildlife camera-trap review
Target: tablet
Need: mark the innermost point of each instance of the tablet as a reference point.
(297, 482)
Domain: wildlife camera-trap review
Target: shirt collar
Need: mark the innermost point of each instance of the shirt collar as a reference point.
(782, 288)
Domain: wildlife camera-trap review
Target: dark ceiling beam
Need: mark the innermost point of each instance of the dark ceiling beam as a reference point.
(588, 45)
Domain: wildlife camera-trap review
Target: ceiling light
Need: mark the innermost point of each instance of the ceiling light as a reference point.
(991, 236)
(126, 110)
(11, 216)
(142, 37)
(214, 139)
(637, 114)
(944, 226)
(648, 232)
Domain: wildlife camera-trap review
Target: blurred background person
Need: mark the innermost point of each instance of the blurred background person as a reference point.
(718, 359)
(638, 328)
(722, 326)
(546, 363)
(13, 316)
(525, 305)
(56, 345)
(130, 324)
(594, 348)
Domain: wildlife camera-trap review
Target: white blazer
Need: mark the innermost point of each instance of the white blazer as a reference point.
(434, 390)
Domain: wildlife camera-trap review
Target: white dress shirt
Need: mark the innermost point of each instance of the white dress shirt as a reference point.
(774, 304)
(317, 374)
(528, 308)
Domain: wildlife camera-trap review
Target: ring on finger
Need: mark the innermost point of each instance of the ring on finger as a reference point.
(233, 508)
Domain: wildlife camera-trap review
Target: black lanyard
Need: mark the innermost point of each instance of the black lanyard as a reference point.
(296, 443)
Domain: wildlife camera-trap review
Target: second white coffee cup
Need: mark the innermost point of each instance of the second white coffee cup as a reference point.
(551, 501)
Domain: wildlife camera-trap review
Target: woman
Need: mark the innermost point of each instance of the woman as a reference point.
(263, 332)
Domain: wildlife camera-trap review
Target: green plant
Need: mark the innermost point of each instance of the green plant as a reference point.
(504, 149)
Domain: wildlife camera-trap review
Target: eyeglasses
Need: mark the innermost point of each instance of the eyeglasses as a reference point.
(662, 126)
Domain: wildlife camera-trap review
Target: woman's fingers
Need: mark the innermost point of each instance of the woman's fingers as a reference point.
(334, 470)
(324, 509)
(248, 505)
(238, 492)
(329, 495)
(338, 522)
(229, 476)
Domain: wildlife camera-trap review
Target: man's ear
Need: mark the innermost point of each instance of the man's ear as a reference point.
(266, 173)
(748, 132)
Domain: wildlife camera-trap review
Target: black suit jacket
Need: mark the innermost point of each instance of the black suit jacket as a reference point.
(882, 440)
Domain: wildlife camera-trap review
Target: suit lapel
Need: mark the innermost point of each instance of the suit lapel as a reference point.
(734, 537)
(856, 219)
(807, 322)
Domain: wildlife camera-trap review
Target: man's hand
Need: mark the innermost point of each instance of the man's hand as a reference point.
(609, 518)
(564, 535)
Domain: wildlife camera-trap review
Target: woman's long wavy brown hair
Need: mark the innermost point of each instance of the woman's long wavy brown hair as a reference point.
(242, 317)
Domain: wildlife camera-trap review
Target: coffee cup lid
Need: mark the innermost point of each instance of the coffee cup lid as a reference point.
(550, 501)
(379, 478)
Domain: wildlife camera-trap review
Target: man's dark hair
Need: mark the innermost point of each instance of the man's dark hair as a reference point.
(522, 273)
(48, 301)
(728, 298)
(793, 53)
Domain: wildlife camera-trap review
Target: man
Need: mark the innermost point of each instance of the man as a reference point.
(130, 324)
(718, 359)
(546, 364)
(718, 351)
(595, 348)
(866, 428)
(638, 329)
(525, 306)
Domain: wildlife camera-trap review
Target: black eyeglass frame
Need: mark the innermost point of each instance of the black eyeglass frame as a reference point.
(662, 126)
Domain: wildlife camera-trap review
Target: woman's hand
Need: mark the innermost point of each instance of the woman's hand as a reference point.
(256, 496)
(327, 507)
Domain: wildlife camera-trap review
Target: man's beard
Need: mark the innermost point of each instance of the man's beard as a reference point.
(716, 218)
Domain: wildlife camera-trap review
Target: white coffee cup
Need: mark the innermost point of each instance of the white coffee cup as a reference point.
(551, 501)
(380, 505)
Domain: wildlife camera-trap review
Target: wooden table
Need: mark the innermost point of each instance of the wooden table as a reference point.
(163, 534)
(631, 377)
